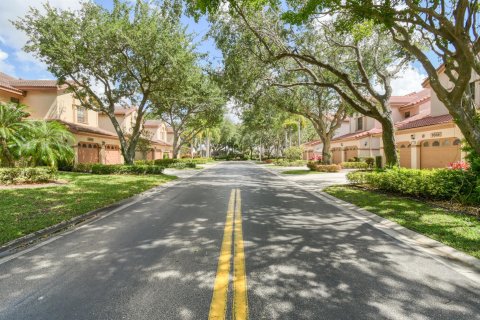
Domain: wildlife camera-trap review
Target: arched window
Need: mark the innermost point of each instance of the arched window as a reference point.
(446, 143)
(402, 146)
(436, 144)
(426, 144)
(456, 142)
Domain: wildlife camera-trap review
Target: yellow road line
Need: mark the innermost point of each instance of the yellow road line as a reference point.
(218, 307)
(240, 301)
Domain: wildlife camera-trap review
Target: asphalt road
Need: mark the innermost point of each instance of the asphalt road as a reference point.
(304, 259)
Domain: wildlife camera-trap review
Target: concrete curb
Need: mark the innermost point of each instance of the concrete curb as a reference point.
(415, 240)
(27, 241)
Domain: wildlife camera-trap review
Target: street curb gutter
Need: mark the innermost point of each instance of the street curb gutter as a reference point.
(416, 240)
(24, 242)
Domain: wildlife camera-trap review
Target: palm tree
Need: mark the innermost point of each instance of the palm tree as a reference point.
(12, 129)
(48, 143)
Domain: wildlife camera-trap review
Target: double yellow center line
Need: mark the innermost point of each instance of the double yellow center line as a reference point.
(233, 231)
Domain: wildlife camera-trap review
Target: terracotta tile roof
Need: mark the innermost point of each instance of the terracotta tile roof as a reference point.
(77, 127)
(410, 99)
(34, 83)
(312, 143)
(411, 119)
(427, 121)
(5, 80)
(358, 135)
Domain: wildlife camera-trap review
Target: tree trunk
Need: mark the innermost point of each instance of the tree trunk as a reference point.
(326, 154)
(389, 145)
(207, 151)
(176, 146)
(6, 152)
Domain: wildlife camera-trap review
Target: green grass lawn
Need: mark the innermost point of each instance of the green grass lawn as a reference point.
(23, 211)
(453, 229)
(300, 172)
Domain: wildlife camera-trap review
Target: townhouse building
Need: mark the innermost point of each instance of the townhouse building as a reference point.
(95, 138)
(425, 133)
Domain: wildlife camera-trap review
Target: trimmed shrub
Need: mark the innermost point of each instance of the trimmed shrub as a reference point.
(312, 165)
(436, 183)
(287, 163)
(369, 161)
(315, 166)
(165, 162)
(144, 162)
(354, 165)
(27, 175)
(98, 168)
(83, 167)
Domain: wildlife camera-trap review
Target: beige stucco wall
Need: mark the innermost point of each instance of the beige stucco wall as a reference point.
(42, 104)
(105, 123)
(437, 107)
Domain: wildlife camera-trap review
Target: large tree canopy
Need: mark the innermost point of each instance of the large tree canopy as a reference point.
(262, 50)
(442, 35)
(110, 58)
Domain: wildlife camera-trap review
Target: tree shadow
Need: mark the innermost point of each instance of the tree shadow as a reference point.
(305, 259)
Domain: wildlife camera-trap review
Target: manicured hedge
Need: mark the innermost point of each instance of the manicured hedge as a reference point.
(315, 166)
(354, 165)
(97, 168)
(287, 163)
(27, 175)
(436, 183)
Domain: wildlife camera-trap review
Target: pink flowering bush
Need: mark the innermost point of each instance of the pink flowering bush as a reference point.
(316, 158)
(459, 165)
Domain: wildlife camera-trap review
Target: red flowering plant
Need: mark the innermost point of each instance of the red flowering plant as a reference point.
(459, 165)
(316, 157)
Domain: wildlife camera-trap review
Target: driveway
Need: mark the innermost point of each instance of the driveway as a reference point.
(237, 239)
(314, 182)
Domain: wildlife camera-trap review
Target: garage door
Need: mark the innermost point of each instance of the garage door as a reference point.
(336, 156)
(88, 152)
(405, 153)
(112, 154)
(439, 153)
(350, 153)
(150, 154)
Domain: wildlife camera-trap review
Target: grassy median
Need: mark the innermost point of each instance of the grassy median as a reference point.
(459, 231)
(23, 211)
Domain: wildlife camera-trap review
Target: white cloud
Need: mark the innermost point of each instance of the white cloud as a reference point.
(4, 65)
(13, 10)
(408, 80)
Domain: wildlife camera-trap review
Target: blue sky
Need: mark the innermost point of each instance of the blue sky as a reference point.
(14, 61)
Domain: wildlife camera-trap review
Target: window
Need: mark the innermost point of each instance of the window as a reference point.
(359, 123)
(407, 114)
(456, 142)
(436, 144)
(81, 115)
(14, 100)
(472, 90)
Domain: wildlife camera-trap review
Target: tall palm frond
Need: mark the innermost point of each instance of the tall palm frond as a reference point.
(48, 143)
(12, 129)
